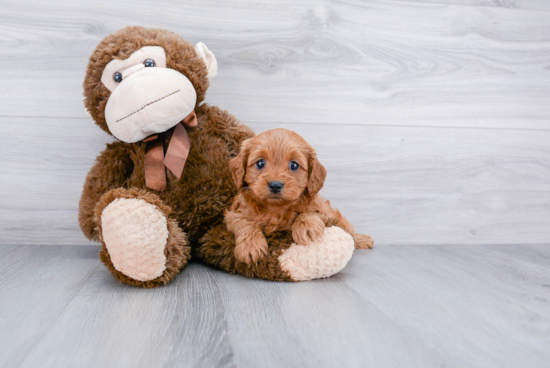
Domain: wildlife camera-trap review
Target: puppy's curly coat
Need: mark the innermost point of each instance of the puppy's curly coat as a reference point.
(278, 177)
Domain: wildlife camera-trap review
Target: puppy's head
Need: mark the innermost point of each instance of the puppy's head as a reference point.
(279, 167)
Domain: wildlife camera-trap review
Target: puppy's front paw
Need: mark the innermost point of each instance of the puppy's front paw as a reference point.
(251, 249)
(308, 229)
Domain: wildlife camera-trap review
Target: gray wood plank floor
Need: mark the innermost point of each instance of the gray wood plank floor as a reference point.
(406, 306)
(433, 120)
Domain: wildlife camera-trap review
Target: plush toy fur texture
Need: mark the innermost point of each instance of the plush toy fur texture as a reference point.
(320, 259)
(177, 250)
(218, 248)
(193, 205)
(180, 56)
(135, 233)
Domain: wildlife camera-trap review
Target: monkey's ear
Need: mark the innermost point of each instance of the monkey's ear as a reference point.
(238, 164)
(317, 174)
(209, 59)
(86, 109)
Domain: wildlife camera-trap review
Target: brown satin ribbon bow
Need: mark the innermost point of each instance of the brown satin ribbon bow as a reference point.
(176, 154)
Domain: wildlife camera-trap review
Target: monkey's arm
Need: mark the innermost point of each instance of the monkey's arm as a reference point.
(226, 126)
(111, 170)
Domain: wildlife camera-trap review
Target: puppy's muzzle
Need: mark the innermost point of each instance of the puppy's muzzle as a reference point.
(275, 186)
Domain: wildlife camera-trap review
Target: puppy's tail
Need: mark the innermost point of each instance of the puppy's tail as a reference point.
(363, 241)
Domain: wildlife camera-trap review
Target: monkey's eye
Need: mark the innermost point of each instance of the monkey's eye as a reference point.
(149, 62)
(260, 164)
(293, 166)
(117, 77)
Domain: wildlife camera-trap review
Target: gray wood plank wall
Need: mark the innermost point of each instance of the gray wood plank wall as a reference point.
(432, 117)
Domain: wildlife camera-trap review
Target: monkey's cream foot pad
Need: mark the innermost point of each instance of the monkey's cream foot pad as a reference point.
(135, 233)
(321, 259)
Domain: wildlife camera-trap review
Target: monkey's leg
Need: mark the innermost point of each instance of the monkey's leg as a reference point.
(285, 261)
(141, 244)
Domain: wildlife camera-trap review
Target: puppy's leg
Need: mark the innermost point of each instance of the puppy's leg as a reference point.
(284, 261)
(308, 228)
(341, 221)
(361, 241)
(250, 242)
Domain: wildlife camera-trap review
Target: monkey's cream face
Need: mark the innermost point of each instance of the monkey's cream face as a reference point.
(146, 96)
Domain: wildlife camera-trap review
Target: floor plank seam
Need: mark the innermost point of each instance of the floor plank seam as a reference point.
(60, 313)
(394, 322)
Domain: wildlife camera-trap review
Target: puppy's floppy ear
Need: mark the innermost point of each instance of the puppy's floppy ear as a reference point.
(317, 174)
(238, 164)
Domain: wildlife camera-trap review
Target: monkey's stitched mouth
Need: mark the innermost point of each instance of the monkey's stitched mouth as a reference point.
(150, 103)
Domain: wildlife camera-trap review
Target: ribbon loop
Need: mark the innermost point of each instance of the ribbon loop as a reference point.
(178, 150)
(176, 154)
(155, 176)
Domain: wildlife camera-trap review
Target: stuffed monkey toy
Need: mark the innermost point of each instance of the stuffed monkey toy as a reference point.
(156, 196)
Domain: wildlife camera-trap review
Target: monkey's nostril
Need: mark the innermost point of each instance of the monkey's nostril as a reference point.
(275, 186)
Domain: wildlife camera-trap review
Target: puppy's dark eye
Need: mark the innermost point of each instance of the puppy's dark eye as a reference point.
(149, 62)
(260, 164)
(293, 166)
(117, 77)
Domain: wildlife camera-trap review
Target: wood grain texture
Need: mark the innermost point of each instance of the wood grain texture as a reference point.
(432, 119)
(315, 324)
(362, 62)
(401, 185)
(514, 4)
(36, 285)
(431, 116)
(428, 306)
(107, 325)
(479, 302)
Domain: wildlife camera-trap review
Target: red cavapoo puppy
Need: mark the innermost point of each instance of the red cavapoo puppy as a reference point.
(278, 177)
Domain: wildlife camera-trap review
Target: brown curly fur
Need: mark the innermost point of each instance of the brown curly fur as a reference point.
(218, 249)
(194, 204)
(180, 56)
(297, 207)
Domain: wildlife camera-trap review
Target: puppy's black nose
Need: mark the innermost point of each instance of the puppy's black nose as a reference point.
(275, 186)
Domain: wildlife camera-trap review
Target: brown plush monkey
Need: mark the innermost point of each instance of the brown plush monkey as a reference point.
(157, 195)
